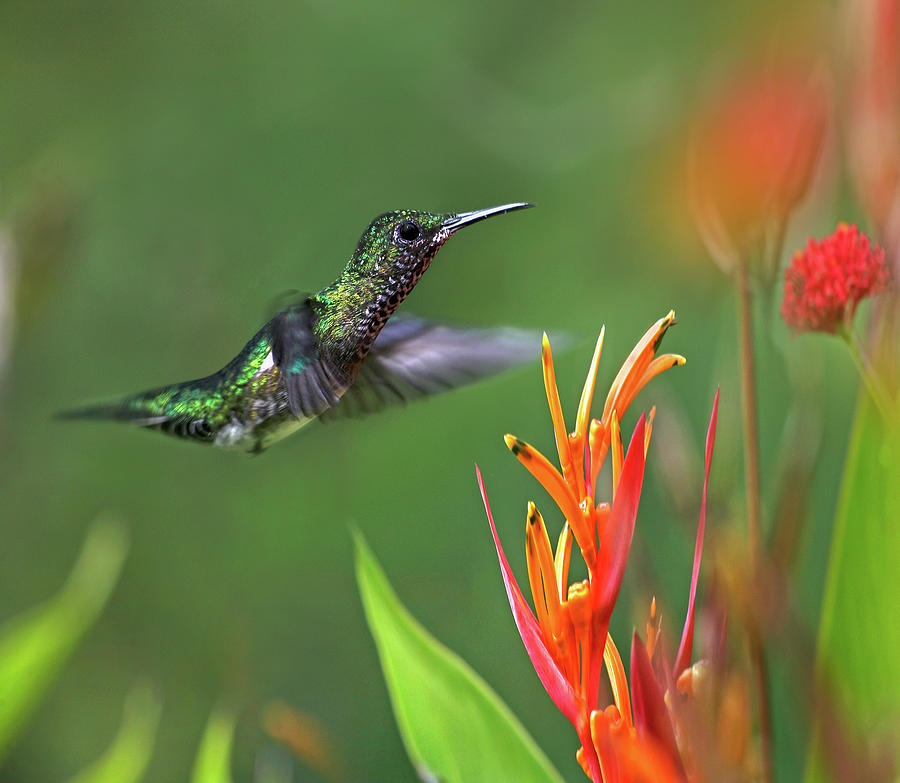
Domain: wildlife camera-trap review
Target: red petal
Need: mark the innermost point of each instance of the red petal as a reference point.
(612, 555)
(556, 685)
(651, 716)
(683, 659)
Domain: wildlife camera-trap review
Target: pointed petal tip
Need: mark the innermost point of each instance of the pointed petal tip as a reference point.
(683, 657)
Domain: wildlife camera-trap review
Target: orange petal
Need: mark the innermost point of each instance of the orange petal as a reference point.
(659, 365)
(561, 560)
(577, 439)
(653, 625)
(636, 365)
(598, 443)
(539, 467)
(587, 394)
(635, 758)
(617, 456)
(635, 382)
(601, 518)
(618, 683)
(542, 575)
(556, 414)
(578, 602)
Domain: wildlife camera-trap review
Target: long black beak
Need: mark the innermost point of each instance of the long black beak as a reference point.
(456, 222)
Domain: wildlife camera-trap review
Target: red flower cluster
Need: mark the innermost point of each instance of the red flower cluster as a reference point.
(829, 278)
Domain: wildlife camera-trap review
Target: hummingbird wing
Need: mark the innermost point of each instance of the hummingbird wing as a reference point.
(313, 385)
(413, 358)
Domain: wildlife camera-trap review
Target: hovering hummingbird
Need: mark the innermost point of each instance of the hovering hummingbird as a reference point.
(335, 353)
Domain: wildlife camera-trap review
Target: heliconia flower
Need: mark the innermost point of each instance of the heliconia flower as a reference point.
(828, 279)
(752, 156)
(567, 636)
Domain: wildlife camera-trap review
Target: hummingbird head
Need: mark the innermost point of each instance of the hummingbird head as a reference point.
(398, 246)
(392, 254)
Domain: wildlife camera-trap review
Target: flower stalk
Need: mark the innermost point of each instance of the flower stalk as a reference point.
(752, 490)
(869, 378)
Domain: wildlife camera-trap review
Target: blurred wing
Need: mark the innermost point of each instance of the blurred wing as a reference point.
(312, 385)
(413, 358)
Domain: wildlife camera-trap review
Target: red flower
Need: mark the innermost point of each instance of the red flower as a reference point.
(829, 278)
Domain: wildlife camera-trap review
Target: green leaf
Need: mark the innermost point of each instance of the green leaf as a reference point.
(35, 646)
(127, 758)
(859, 637)
(455, 728)
(213, 761)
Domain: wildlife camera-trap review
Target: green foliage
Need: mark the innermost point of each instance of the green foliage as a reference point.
(455, 728)
(213, 761)
(127, 758)
(35, 646)
(859, 638)
(168, 167)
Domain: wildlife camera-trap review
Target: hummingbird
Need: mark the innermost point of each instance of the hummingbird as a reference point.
(336, 353)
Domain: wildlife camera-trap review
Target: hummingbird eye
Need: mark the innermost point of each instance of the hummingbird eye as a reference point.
(408, 231)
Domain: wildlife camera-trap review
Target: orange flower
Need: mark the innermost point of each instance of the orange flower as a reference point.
(752, 156)
(567, 637)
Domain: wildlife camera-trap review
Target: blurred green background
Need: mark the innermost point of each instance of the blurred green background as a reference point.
(168, 168)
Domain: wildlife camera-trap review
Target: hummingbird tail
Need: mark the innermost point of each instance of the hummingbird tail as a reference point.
(134, 410)
(166, 409)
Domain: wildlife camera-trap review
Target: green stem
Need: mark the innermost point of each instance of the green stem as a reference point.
(876, 392)
(751, 479)
(751, 426)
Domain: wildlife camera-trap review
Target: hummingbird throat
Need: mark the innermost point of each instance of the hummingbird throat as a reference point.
(355, 311)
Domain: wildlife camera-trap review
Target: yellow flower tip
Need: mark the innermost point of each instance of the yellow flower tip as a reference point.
(587, 394)
(578, 602)
(618, 682)
(693, 679)
(582, 760)
(518, 447)
(649, 430)
(562, 558)
(545, 345)
(531, 513)
(654, 624)
(612, 714)
(618, 457)
(679, 360)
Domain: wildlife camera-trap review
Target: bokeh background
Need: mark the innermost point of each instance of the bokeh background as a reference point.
(168, 168)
